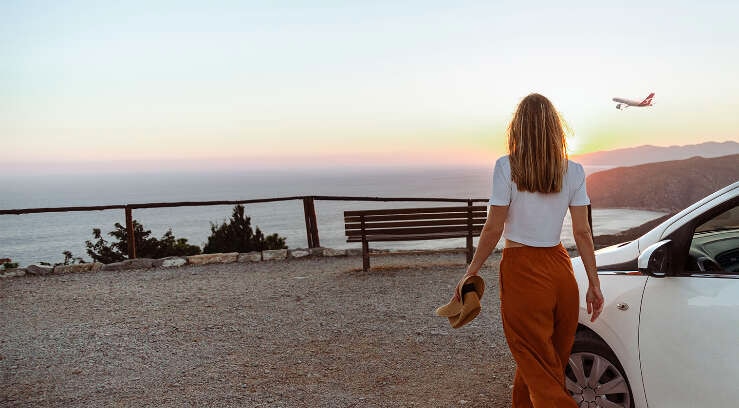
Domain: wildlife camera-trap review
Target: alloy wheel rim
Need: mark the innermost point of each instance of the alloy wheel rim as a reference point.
(593, 381)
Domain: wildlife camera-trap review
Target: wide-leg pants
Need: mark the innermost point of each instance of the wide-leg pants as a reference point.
(539, 303)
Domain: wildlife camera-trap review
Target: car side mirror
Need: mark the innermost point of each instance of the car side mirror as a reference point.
(656, 260)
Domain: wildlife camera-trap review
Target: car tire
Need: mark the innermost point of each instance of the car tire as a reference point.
(591, 358)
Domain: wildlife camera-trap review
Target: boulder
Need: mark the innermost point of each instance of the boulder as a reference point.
(299, 253)
(128, 264)
(11, 273)
(334, 252)
(206, 259)
(250, 257)
(39, 270)
(354, 252)
(74, 268)
(170, 262)
(274, 255)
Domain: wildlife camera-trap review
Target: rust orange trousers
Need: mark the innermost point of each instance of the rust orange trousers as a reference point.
(539, 304)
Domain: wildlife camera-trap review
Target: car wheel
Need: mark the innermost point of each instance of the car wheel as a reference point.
(594, 375)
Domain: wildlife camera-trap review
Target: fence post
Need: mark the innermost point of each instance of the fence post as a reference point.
(470, 248)
(311, 224)
(365, 246)
(590, 220)
(130, 234)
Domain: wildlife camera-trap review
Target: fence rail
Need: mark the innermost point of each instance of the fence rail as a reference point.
(311, 223)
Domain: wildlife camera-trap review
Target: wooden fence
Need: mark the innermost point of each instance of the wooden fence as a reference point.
(311, 223)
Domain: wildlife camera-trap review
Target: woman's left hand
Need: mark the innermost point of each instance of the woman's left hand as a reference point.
(456, 288)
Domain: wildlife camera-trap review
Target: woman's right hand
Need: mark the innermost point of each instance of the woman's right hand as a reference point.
(594, 300)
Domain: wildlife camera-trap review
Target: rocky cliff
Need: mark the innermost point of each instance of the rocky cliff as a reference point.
(665, 186)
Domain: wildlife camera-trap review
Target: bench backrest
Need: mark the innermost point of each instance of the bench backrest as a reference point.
(415, 223)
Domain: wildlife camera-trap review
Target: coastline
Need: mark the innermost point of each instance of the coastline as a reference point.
(599, 241)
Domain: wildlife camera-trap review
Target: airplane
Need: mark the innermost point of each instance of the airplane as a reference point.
(625, 103)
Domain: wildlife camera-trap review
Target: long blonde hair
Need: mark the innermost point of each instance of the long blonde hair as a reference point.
(537, 146)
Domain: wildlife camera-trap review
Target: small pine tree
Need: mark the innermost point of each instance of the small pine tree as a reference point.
(146, 246)
(171, 246)
(101, 250)
(236, 235)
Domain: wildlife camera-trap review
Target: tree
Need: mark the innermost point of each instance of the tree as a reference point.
(236, 235)
(146, 246)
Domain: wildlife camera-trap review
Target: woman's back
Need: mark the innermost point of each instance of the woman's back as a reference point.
(534, 218)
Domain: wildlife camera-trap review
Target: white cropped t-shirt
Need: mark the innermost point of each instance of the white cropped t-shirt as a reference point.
(535, 219)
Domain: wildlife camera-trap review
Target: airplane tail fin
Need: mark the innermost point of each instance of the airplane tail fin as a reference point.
(648, 100)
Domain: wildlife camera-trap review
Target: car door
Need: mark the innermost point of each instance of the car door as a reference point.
(689, 320)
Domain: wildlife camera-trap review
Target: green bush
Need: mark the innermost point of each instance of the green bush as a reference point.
(10, 265)
(146, 246)
(236, 235)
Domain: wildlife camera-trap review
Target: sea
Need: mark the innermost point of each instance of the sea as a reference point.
(43, 237)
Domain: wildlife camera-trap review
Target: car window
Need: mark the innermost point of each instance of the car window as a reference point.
(714, 248)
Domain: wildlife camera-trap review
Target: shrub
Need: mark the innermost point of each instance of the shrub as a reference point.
(236, 235)
(146, 246)
(70, 259)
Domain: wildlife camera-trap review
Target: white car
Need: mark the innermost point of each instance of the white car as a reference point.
(668, 336)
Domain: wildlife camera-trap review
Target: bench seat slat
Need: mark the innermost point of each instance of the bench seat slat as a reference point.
(417, 210)
(435, 216)
(378, 238)
(412, 231)
(422, 223)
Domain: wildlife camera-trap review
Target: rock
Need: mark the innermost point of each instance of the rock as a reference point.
(206, 259)
(317, 251)
(334, 252)
(139, 263)
(115, 266)
(12, 273)
(97, 266)
(274, 255)
(299, 253)
(170, 262)
(250, 257)
(128, 264)
(39, 270)
(354, 252)
(74, 268)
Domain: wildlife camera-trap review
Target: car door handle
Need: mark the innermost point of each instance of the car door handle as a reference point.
(622, 306)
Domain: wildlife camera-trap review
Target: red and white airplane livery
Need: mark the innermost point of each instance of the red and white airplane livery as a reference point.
(625, 103)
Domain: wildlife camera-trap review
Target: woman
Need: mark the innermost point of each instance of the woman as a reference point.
(533, 187)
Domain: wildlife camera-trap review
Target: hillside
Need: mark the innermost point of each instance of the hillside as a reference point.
(602, 241)
(664, 186)
(649, 154)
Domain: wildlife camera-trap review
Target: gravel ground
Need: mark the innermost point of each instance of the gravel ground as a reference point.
(299, 333)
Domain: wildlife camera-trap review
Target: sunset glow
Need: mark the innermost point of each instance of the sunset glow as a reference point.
(352, 82)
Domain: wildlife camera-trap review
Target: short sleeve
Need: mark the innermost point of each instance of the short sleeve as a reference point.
(579, 195)
(501, 185)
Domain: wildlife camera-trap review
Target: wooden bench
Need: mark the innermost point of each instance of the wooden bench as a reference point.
(408, 224)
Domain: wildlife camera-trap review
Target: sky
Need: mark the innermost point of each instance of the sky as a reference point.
(129, 85)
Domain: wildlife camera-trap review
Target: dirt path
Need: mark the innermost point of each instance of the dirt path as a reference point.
(300, 333)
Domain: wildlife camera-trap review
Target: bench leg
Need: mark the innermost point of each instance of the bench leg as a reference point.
(365, 256)
(470, 250)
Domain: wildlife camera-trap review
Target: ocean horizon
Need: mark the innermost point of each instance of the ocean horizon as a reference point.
(42, 237)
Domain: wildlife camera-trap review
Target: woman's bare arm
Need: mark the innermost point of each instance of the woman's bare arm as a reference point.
(489, 237)
(584, 241)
